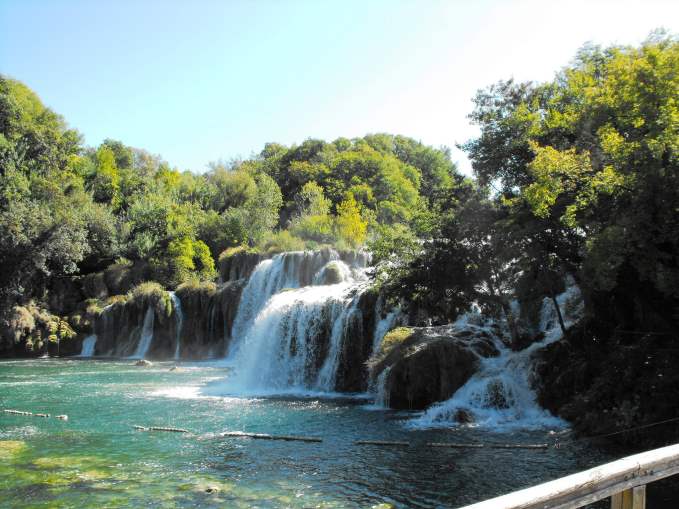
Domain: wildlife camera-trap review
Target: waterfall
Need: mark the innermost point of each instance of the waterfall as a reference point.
(384, 324)
(179, 317)
(380, 389)
(294, 316)
(500, 395)
(328, 373)
(88, 346)
(146, 335)
(288, 270)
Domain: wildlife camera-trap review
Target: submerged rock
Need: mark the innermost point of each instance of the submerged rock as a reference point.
(429, 364)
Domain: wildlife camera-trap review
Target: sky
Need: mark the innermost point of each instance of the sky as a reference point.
(202, 80)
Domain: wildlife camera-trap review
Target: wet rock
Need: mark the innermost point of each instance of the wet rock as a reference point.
(212, 489)
(429, 364)
(143, 363)
(463, 416)
(332, 274)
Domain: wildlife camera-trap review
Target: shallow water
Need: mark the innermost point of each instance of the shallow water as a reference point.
(97, 459)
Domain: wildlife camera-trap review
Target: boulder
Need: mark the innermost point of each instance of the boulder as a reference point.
(332, 274)
(429, 364)
(143, 363)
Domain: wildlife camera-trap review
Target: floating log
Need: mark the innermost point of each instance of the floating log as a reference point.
(382, 442)
(62, 417)
(488, 446)
(160, 428)
(518, 446)
(265, 436)
(21, 412)
(17, 412)
(455, 446)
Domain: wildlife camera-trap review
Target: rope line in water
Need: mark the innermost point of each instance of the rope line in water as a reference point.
(452, 445)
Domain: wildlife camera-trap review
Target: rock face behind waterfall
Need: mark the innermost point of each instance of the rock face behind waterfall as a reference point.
(209, 312)
(424, 365)
(352, 371)
(238, 264)
(120, 326)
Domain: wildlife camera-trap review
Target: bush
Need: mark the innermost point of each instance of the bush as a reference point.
(196, 288)
(153, 294)
(282, 241)
(119, 276)
(21, 323)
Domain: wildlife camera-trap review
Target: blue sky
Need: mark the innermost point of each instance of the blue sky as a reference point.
(197, 81)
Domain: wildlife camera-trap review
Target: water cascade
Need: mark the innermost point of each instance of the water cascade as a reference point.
(294, 317)
(179, 317)
(88, 346)
(146, 335)
(500, 395)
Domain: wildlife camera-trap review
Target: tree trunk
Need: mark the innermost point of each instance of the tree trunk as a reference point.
(558, 313)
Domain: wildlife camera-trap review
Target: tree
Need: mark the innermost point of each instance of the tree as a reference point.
(105, 183)
(351, 227)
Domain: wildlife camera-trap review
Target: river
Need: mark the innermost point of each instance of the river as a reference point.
(97, 459)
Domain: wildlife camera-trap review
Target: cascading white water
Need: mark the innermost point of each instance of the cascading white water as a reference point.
(499, 395)
(179, 318)
(290, 326)
(281, 349)
(88, 346)
(328, 373)
(384, 324)
(381, 394)
(284, 271)
(146, 335)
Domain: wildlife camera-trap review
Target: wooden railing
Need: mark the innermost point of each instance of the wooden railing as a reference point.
(624, 481)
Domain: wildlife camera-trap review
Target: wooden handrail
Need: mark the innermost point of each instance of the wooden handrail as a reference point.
(623, 480)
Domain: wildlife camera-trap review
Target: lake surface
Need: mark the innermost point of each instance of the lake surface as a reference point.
(97, 458)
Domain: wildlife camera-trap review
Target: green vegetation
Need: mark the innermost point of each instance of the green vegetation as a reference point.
(152, 294)
(81, 224)
(394, 338)
(578, 177)
(575, 177)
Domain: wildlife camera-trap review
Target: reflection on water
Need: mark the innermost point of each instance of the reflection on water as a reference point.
(96, 458)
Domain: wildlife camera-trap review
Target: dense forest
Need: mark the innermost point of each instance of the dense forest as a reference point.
(574, 179)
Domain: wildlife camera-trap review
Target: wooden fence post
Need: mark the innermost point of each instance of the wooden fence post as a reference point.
(634, 498)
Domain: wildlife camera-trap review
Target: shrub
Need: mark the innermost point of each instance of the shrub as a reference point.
(119, 276)
(153, 294)
(195, 288)
(282, 241)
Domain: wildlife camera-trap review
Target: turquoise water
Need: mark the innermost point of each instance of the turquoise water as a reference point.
(97, 459)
